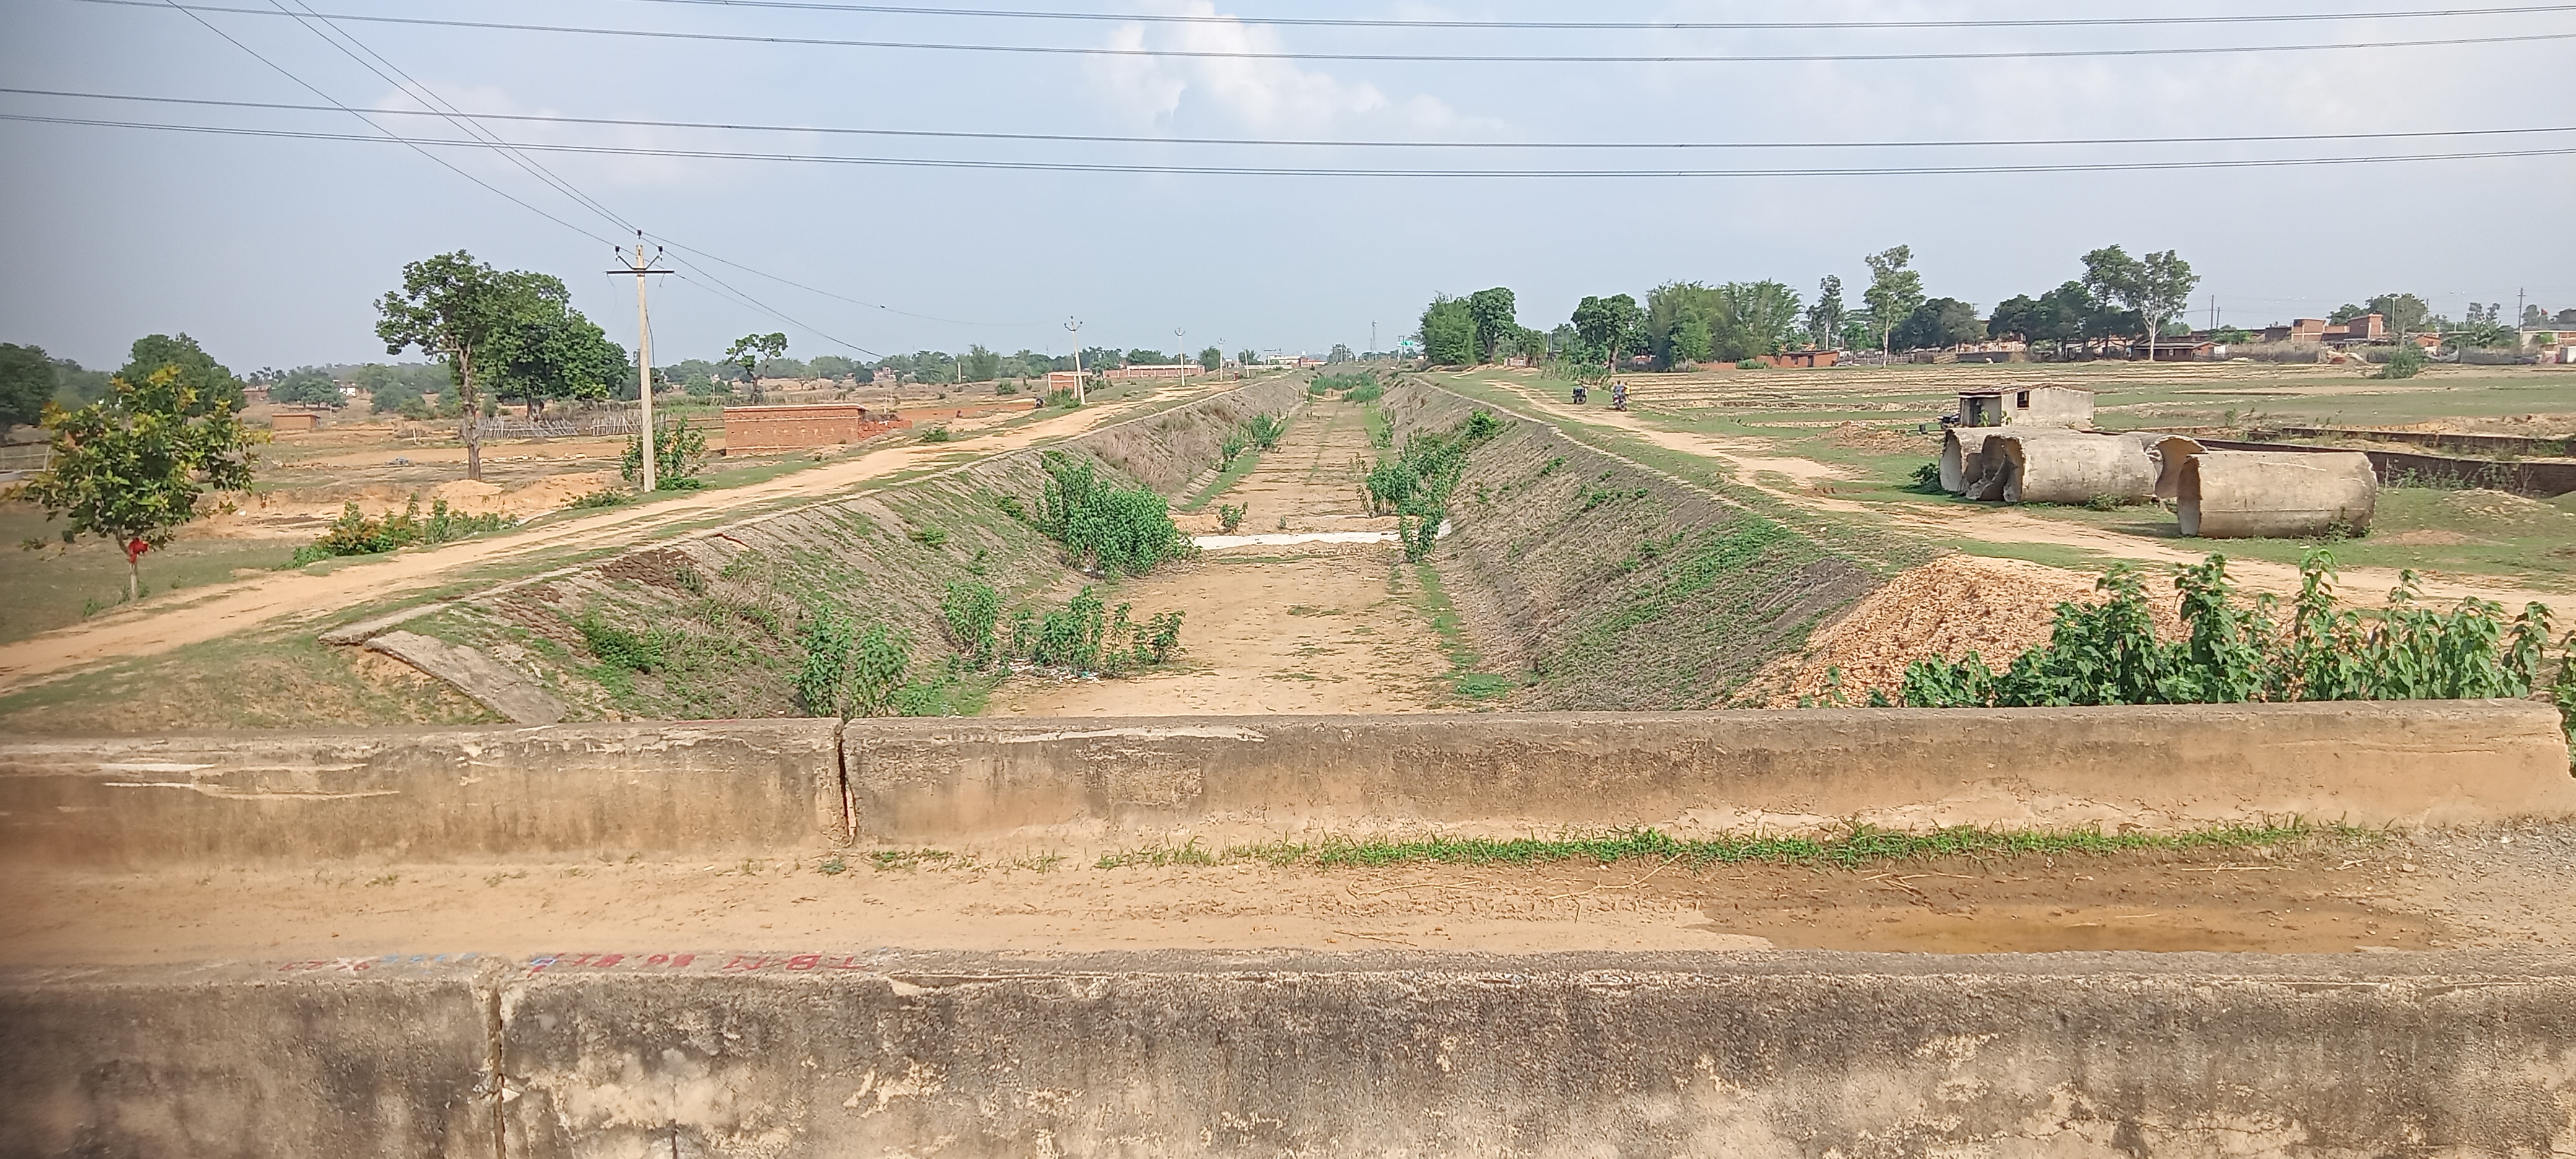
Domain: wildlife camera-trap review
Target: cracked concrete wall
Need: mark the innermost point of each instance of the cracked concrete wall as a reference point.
(782, 1056)
(748, 787)
(1248, 778)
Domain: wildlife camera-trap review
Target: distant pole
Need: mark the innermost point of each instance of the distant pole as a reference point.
(1075, 325)
(640, 266)
(1183, 342)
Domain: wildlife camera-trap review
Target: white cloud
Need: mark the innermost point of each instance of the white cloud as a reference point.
(1274, 96)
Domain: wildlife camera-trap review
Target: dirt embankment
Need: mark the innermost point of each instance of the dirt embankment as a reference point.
(1615, 587)
(715, 618)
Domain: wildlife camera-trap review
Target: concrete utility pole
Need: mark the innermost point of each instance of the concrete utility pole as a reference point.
(639, 267)
(1075, 325)
(1183, 343)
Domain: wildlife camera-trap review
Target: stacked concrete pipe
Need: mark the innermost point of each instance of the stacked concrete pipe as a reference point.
(2275, 494)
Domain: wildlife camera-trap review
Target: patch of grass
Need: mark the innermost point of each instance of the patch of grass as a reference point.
(1464, 679)
(908, 859)
(1856, 847)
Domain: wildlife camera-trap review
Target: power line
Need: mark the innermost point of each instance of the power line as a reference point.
(843, 297)
(1287, 171)
(388, 133)
(1624, 25)
(1097, 139)
(496, 143)
(1380, 57)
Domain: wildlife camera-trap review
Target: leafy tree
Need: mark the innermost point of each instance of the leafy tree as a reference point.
(75, 386)
(1497, 318)
(129, 469)
(747, 351)
(199, 374)
(1247, 357)
(1612, 325)
(981, 365)
(549, 351)
(2156, 287)
(1754, 318)
(453, 307)
(1211, 360)
(1937, 324)
(1449, 332)
(2405, 313)
(26, 385)
(1340, 353)
(306, 386)
(1825, 317)
(1894, 291)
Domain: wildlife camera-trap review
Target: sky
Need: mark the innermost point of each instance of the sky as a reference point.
(273, 250)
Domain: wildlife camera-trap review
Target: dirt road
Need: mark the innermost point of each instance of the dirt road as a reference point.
(206, 613)
(2452, 889)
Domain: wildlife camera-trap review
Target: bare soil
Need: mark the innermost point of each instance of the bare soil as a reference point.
(1310, 628)
(2499, 888)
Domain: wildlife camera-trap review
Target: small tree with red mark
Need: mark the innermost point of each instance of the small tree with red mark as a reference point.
(130, 467)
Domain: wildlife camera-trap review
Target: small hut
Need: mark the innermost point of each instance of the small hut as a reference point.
(2048, 405)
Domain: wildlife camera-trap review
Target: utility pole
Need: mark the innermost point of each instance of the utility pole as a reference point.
(1184, 345)
(1372, 337)
(639, 267)
(1075, 325)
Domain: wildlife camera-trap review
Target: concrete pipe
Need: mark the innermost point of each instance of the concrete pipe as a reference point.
(1963, 457)
(2171, 452)
(2068, 467)
(2276, 494)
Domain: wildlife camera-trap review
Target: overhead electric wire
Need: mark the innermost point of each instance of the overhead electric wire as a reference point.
(390, 136)
(431, 101)
(1620, 25)
(1289, 171)
(1100, 138)
(1380, 57)
(844, 297)
(388, 133)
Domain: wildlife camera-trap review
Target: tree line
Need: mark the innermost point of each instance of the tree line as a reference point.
(2118, 297)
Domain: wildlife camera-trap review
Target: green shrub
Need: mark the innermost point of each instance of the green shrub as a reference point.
(606, 497)
(1229, 516)
(937, 434)
(619, 648)
(972, 610)
(1103, 525)
(679, 453)
(1927, 480)
(1416, 484)
(2404, 362)
(850, 673)
(1086, 637)
(928, 536)
(355, 533)
(1264, 430)
(2232, 652)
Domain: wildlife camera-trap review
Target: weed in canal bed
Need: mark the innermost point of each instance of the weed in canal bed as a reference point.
(1857, 846)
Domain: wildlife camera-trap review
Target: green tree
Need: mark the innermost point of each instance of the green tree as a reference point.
(129, 468)
(453, 307)
(1612, 325)
(1211, 360)
(1496, 317)
(26, 385)
(1449, 332)
(1339, 354)
(549, 351)
(2156, 287)
(2404, 313)
(1938, 324)
(199, 374)
(1247, 357)
(1825, 316)
(1894, 291)
(1754, 318)
(306, 386)
(981, 365)
(1681, 322)
(747, 351)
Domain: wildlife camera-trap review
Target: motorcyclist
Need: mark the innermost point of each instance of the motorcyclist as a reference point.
(1619, 395)
(1580, 394)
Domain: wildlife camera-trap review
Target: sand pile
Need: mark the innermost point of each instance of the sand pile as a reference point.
(1997, 608)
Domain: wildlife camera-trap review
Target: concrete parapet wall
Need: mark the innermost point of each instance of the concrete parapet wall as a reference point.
(247, 1062)
(421, 794)
(1177, 1053)
(2451, 762)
